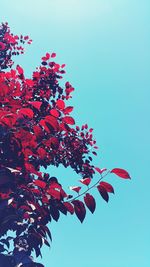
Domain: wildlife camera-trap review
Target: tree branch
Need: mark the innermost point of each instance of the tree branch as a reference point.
(89, 188)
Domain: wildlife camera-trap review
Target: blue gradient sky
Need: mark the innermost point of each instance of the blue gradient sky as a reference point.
(105, 44)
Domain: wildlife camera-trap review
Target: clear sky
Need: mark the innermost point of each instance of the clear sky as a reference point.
(106, 47)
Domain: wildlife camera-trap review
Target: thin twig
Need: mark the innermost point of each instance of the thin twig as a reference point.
(102, 176)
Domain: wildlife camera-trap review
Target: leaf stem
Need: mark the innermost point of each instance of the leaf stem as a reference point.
(89, 188)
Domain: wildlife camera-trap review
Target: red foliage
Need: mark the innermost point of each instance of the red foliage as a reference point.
(36, 130)
(108, 187)
(121, 173)
(90, 202)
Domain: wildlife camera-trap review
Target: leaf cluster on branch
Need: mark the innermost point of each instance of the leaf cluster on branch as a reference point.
(37, 130)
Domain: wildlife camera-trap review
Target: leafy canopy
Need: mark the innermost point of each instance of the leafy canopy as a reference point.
(37, 130)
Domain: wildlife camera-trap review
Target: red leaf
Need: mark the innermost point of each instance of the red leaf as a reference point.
(63, 65)
(62, 193)
(38, 131)
(46, 242)
(107, 186)
(19, 69)
(85, 181)
(45, 199)
(67, 110)
(75, 188)
(53, 55)
(29, 82)
(36, 104)
(2, 46)
(103, 193)
(52, 121)
(62, 208)
(42, 153)
(90, 202)
(55, 185)
(121, 173)
(43, 123)
(100, 170)
(35, 191)
(4, 90)
(40, 183)
(27, 112)
(68, 120)
(47, 231)
(55, 113)
(54, 193)
(26, 37)
(54, 212)
(69, 207)
(54, 142)
(60, 104)
(80, 210)
(44, 59)
(48, 56)
(26, 215)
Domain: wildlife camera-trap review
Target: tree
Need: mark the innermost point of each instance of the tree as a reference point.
(37, 130)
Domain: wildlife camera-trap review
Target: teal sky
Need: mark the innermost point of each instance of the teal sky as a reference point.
(106, 47)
